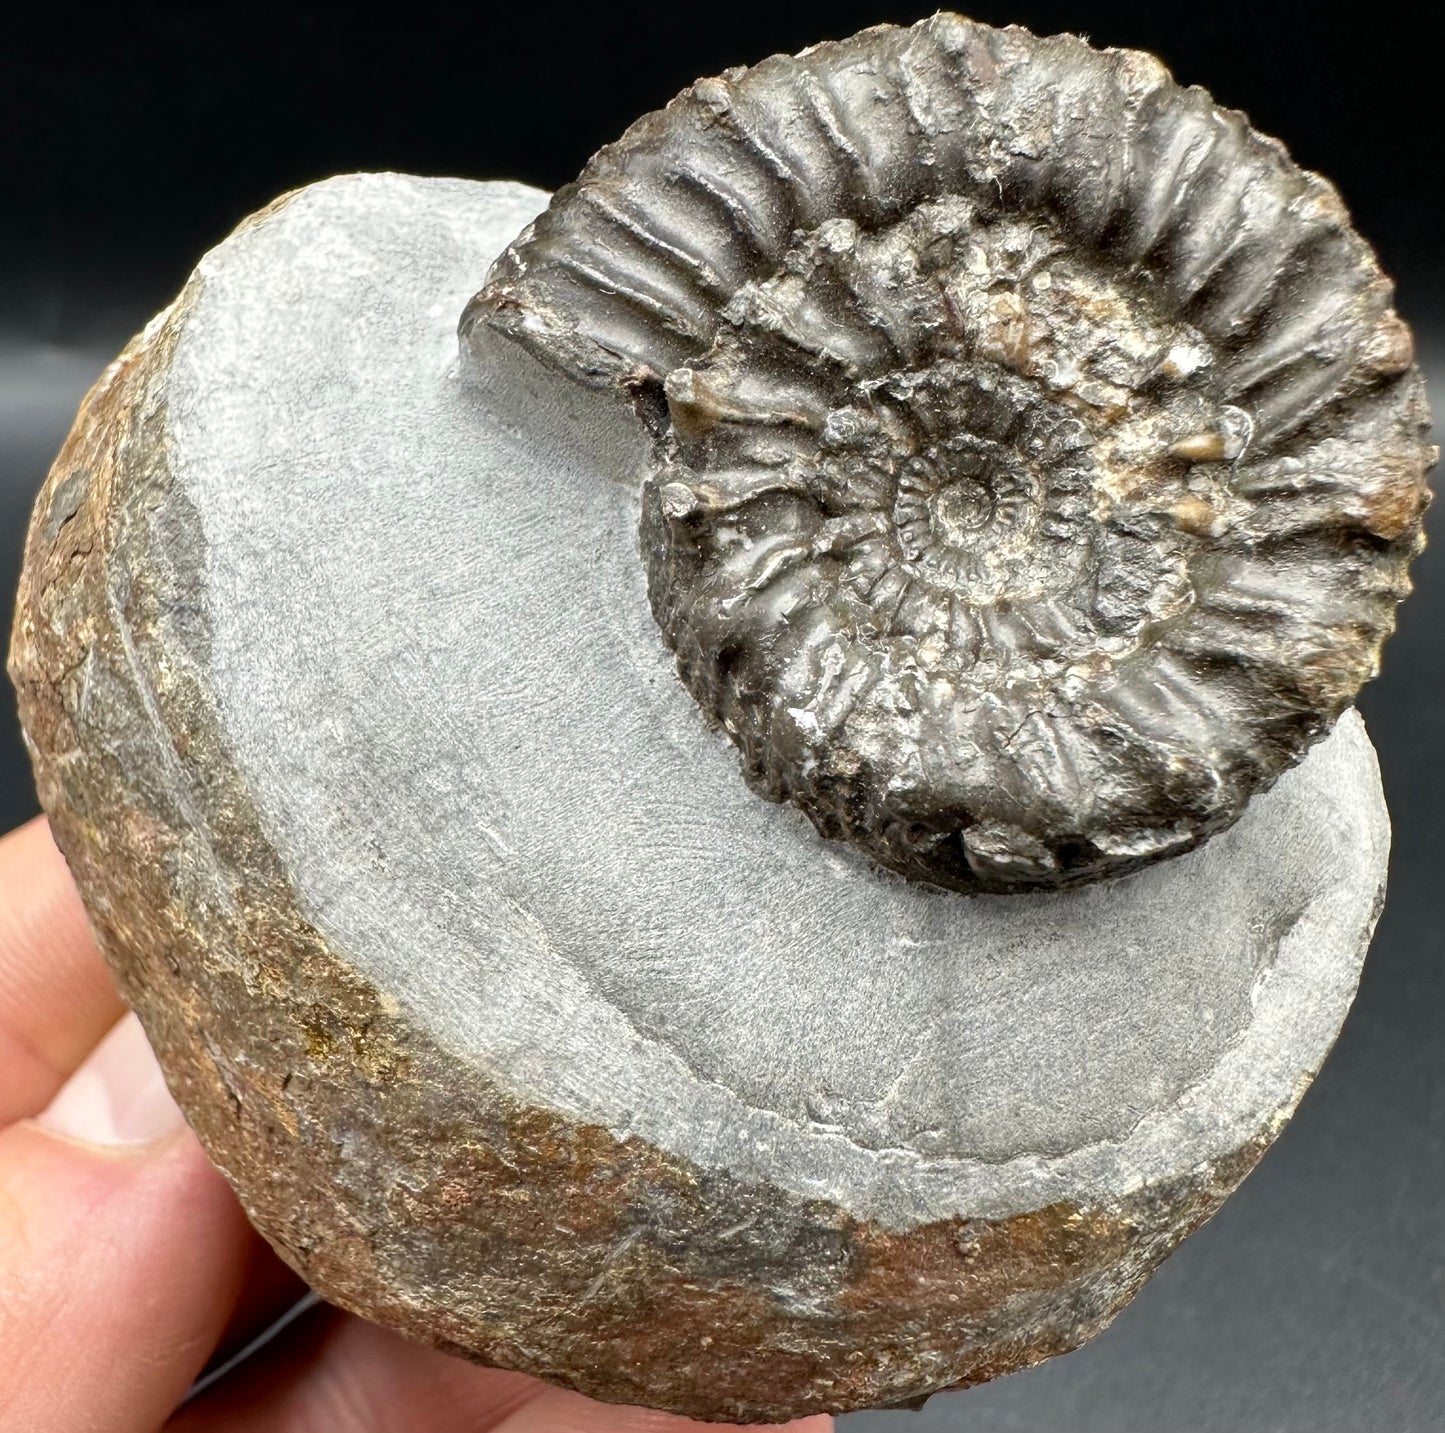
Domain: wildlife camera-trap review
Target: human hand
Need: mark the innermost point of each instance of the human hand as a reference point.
(126, 1264)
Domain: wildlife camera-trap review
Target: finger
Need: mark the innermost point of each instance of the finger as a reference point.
(269, 1289)
(56, 996)
(342, 1374)
(348, 1376)
(122, 1251)
(559, 1411)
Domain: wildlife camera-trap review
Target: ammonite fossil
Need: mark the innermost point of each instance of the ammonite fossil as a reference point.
(1038, 455)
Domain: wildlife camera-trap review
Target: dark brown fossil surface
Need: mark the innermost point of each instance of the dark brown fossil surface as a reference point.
(1038, 455)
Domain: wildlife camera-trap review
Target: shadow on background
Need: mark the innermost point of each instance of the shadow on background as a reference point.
(1315, 1301)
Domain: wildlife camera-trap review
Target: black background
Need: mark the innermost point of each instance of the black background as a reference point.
(133, 139)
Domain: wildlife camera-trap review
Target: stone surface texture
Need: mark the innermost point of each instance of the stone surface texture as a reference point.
(517, 1021)
(1039, 456)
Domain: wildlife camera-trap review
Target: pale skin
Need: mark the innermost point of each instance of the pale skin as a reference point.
(126, 1264)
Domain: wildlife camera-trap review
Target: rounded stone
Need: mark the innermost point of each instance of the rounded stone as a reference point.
(516, 1020)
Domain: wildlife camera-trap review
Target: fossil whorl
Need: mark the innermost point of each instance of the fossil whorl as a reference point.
(1039, 457)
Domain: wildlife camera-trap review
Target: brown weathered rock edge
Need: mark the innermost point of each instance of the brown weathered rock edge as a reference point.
(653, 1300)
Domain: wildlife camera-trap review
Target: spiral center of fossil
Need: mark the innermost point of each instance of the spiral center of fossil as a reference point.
(962, 508)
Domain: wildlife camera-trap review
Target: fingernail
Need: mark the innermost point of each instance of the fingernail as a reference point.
(118, 1096)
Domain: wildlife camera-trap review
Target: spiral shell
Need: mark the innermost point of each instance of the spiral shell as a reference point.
(1039, 457)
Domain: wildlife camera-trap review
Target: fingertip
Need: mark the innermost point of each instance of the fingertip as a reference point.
(118, 1096)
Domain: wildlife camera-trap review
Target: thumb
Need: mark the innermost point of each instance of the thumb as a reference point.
(122, 1250)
